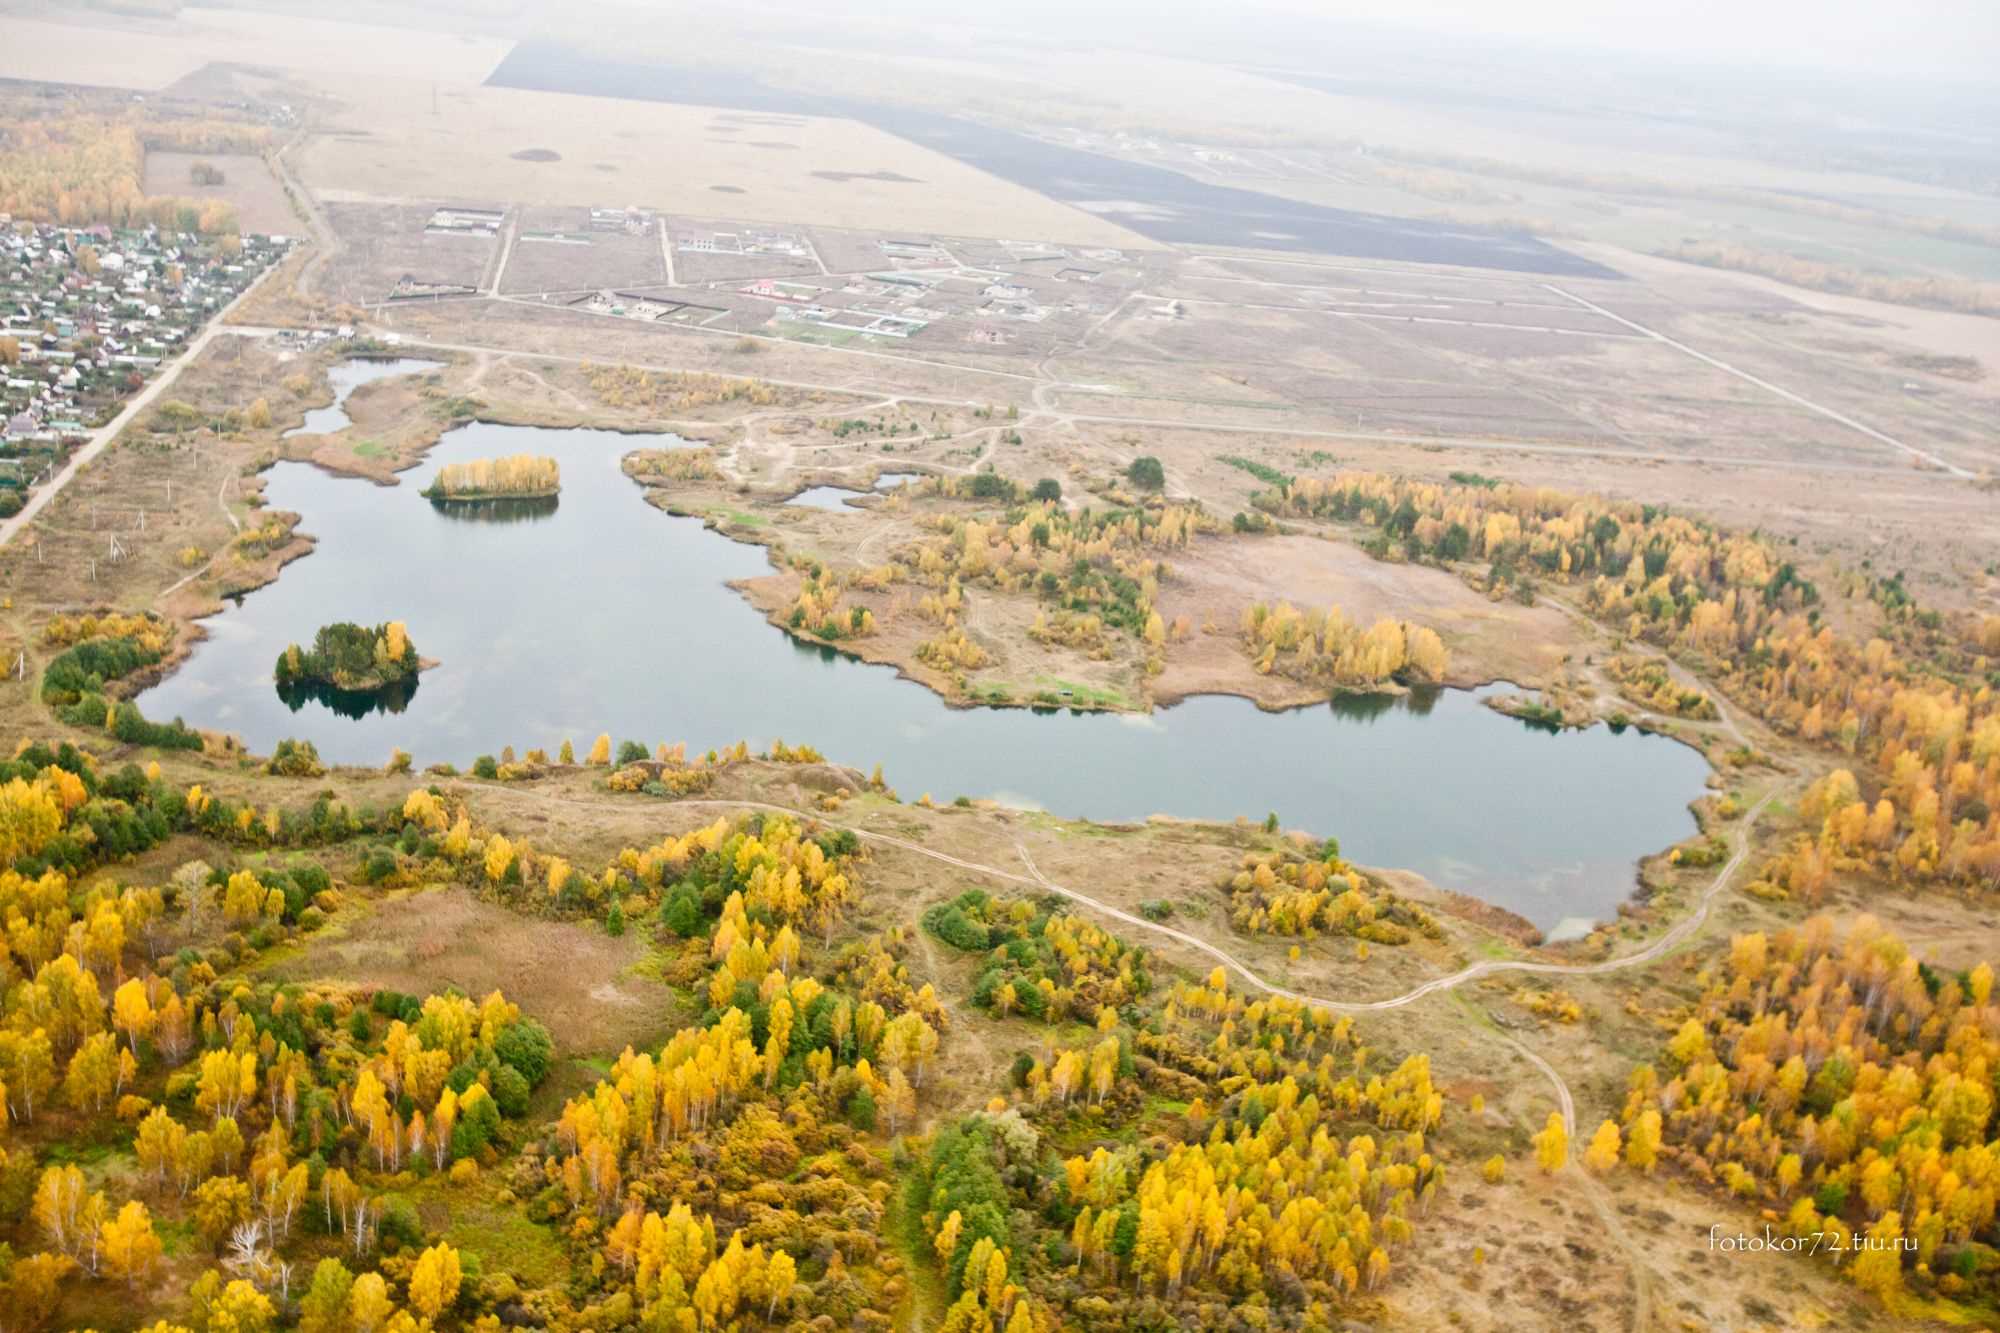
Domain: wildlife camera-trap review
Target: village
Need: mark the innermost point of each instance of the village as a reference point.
(88, 315)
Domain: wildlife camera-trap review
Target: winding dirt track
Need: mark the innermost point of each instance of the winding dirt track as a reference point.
(1641, 1275)
(1668, 941)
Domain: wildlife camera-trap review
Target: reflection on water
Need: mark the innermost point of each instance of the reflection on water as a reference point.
(1366, 707)
(834, 498)
(499, 510)
(608, 615)
(346, 377)
(393, 697)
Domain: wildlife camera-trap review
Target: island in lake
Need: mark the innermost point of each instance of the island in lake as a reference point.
(516, 477)
(353, 660)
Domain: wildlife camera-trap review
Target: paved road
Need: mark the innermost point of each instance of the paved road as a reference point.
(134, 405)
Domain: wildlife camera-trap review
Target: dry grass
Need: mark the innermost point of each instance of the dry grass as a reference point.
(572, 976)
(107, 51)
(247, 183)
(390, 144)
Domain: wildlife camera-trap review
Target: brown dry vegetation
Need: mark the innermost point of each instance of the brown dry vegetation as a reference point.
(415, 941)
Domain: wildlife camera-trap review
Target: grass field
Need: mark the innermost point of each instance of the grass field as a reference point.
(105, 51)
(397, 141)
(247, 183)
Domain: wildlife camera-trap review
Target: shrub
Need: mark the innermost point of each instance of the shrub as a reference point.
(682, 913)
(295, 759)
(949, 923)
(378, 865)
(1147, 473)
(510, 1091)
(398, 1227)
(526, 1046)
(479, 1121)
(85, 668)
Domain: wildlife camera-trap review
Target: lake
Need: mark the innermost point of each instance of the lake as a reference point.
(833, 498)
(601, 613)
(346, 377)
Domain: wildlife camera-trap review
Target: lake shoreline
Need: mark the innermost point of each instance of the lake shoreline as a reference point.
(1363, 765)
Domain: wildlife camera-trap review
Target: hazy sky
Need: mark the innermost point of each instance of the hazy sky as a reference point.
(1886, 38)
(1956, 37)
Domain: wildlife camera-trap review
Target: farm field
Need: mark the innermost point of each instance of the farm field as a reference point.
(101, 49)
(661, 156)
(247, 185)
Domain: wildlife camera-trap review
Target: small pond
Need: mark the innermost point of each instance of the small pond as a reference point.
(346, 377)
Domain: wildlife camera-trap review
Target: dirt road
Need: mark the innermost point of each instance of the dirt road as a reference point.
(136, 404)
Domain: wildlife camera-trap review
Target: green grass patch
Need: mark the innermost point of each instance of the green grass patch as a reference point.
(177, 1236)
(369, 449)
(507, 1242)
(1263, 472)
(904, 1226)
(1051, 692)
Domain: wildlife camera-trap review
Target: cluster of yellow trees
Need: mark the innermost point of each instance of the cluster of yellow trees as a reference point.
(227, 1089)
(1932, 746)
(657, 465)
(149, 631)
(1286, 893)
(952, 651)
(1844, 1083)
(1271, 1185)
(1081, 630)
(1096, 571)
(1936, 293)
(772, 861)
(1013, 552)
(817, 609)
(1927, 726)
(517, 475)
(80, 170)
(677, 1169)
(254, 543)
(1647, 682)
(32, 813)
(665, 392)
(1327, 648)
